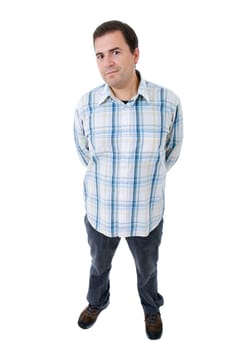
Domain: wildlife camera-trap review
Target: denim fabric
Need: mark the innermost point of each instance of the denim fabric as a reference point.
(145, 251)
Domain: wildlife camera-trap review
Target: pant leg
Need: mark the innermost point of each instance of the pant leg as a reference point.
(145, 251)
(102, 250)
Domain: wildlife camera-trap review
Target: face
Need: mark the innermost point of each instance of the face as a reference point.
(115, 61)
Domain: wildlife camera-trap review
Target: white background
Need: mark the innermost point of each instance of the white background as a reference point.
(47, 63)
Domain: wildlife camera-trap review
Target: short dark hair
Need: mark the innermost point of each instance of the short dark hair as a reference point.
(112, 26)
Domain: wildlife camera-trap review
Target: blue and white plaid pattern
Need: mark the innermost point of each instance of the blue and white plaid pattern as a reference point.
(128, 149)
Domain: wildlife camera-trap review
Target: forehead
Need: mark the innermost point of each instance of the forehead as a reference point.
(110, 40)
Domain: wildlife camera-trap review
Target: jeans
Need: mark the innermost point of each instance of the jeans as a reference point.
(145, 251)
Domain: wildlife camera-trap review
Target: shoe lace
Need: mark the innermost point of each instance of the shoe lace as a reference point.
(152, 318)
(92, 310)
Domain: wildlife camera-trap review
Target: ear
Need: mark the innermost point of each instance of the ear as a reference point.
(136, 55)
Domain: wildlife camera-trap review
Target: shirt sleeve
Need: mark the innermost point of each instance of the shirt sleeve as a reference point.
(81, 139)
(175, 138)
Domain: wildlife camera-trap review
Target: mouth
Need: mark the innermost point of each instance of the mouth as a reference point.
(111, 72)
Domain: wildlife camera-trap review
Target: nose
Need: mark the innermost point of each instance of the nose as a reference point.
(108, 61)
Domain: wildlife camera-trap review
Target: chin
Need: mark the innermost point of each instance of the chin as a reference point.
(111, 83)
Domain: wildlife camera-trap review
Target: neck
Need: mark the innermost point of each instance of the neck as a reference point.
(129, 91)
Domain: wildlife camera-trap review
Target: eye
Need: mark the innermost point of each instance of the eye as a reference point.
(116, 52)
(99, 56)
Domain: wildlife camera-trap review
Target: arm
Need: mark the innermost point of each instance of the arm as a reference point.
(81, 140)
(175, 138)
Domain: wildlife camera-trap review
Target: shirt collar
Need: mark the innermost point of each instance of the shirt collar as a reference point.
(106, 92)
(142, 89)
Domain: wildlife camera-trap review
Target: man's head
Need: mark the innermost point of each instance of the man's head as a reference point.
(112, 26)
(117, 53)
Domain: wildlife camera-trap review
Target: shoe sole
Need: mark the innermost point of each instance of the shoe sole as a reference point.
(84, 325)
(154, 336)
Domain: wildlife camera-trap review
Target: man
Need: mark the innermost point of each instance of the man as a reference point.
(128, 133)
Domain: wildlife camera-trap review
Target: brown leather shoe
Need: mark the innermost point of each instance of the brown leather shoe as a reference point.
(88, 316)
(154, 326)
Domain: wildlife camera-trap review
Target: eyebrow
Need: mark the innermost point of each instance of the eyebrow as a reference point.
(111, 50)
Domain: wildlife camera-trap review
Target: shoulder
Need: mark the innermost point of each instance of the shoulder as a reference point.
(90, 98)
(161, 93)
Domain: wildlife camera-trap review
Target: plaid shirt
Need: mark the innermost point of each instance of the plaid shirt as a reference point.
(128, 149)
